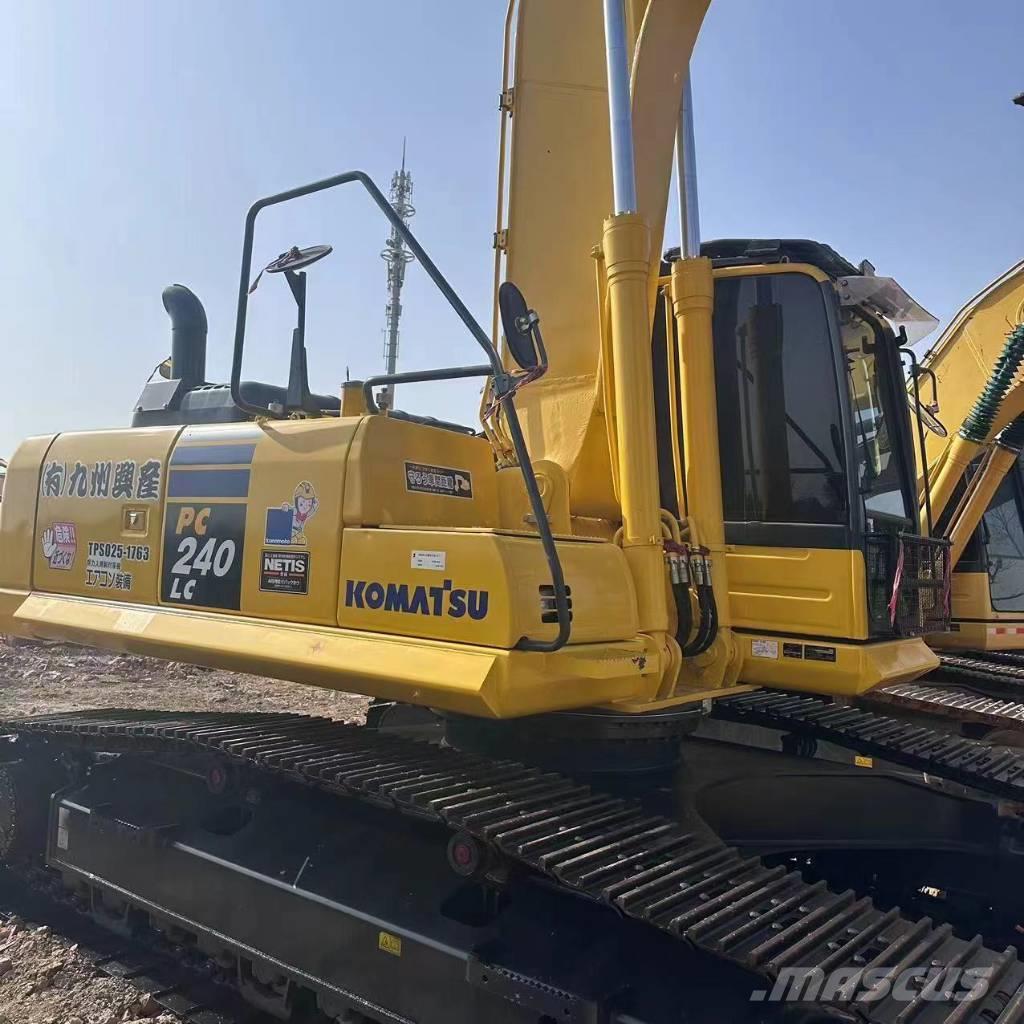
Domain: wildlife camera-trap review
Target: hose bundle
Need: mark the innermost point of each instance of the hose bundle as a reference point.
(978, 423)
(690, 569)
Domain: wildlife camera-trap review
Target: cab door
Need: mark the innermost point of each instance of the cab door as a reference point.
(792, 522)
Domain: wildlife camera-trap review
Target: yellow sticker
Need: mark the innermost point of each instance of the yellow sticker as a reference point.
(864, 762)
(389, 943)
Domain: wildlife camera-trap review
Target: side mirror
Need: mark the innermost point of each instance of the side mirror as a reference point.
(522, 329)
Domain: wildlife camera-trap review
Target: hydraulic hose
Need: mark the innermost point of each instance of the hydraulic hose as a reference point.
(707, 628)
(976, 429)
(684, 613)
(978, 424)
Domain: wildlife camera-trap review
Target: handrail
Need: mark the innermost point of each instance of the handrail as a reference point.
(504, 383)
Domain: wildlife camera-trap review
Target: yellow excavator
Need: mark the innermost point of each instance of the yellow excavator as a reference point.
(974, 371)
(969, 483)
(647, 608)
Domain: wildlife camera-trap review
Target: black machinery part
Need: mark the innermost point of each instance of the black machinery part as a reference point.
(995, 771)
(647, 868)
(961, 706)
(986, 671)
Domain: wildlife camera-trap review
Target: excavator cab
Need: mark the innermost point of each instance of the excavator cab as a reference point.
(825, 551)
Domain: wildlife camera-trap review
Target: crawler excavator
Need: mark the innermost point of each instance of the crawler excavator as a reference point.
(646, 607)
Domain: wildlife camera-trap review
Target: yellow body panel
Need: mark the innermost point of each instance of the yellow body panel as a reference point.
(376, 491)
(249, 554)
(441, 585)
(18, 513)
(286, 455)
(807, 591)
(481, 681)
(841, 669)
(97, 530)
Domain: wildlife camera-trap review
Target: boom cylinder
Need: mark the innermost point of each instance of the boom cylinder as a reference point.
(692, 303)
(960, 454)
(626, 252)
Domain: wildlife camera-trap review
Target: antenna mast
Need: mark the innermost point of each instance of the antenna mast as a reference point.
(396, 256)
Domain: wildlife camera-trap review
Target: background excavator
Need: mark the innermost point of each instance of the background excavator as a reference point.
(969, 481)
(974, 372)
(657, 609)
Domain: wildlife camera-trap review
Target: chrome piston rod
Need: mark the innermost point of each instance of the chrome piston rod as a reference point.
(686, 172)
(619, 107)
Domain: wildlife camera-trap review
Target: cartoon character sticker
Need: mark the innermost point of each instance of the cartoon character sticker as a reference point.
(60, 543)
(287, 524)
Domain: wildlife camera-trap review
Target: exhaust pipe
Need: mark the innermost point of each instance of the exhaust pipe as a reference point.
(188, 335)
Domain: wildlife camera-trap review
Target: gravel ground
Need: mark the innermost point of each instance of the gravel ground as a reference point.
(43, 979)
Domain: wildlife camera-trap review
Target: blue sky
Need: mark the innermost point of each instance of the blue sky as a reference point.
(135, 134)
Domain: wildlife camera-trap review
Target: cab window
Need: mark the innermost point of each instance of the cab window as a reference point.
(779, 412)
(1004, 546)
(876, 439)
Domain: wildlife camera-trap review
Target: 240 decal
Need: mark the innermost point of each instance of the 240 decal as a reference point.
(203, 546)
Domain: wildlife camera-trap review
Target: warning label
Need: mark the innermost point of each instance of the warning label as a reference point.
(452, 483)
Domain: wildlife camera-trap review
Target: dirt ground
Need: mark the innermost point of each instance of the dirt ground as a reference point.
(43, 980)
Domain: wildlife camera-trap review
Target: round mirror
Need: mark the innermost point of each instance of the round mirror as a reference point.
(517, 321)
(296, 258)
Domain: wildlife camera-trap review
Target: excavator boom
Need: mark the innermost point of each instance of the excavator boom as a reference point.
(971, 457)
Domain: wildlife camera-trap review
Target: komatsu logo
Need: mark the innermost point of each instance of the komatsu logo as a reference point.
(447, 599)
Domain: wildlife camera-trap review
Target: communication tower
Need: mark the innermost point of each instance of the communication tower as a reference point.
(396, 256)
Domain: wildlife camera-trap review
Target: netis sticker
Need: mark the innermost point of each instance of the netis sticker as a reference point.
(284, 572)
(451, 483)
(435, 560)
(764, 648)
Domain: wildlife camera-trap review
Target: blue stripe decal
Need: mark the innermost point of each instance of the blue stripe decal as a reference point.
(208, 483)
(213, 455)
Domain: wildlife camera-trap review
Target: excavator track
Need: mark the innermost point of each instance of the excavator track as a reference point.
(992, 672)
(996, 771)
(955, 705)
(691, 886)
(174, 983)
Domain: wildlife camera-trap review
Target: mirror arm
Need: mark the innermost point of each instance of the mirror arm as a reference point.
(915, 375)
(418, 376)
